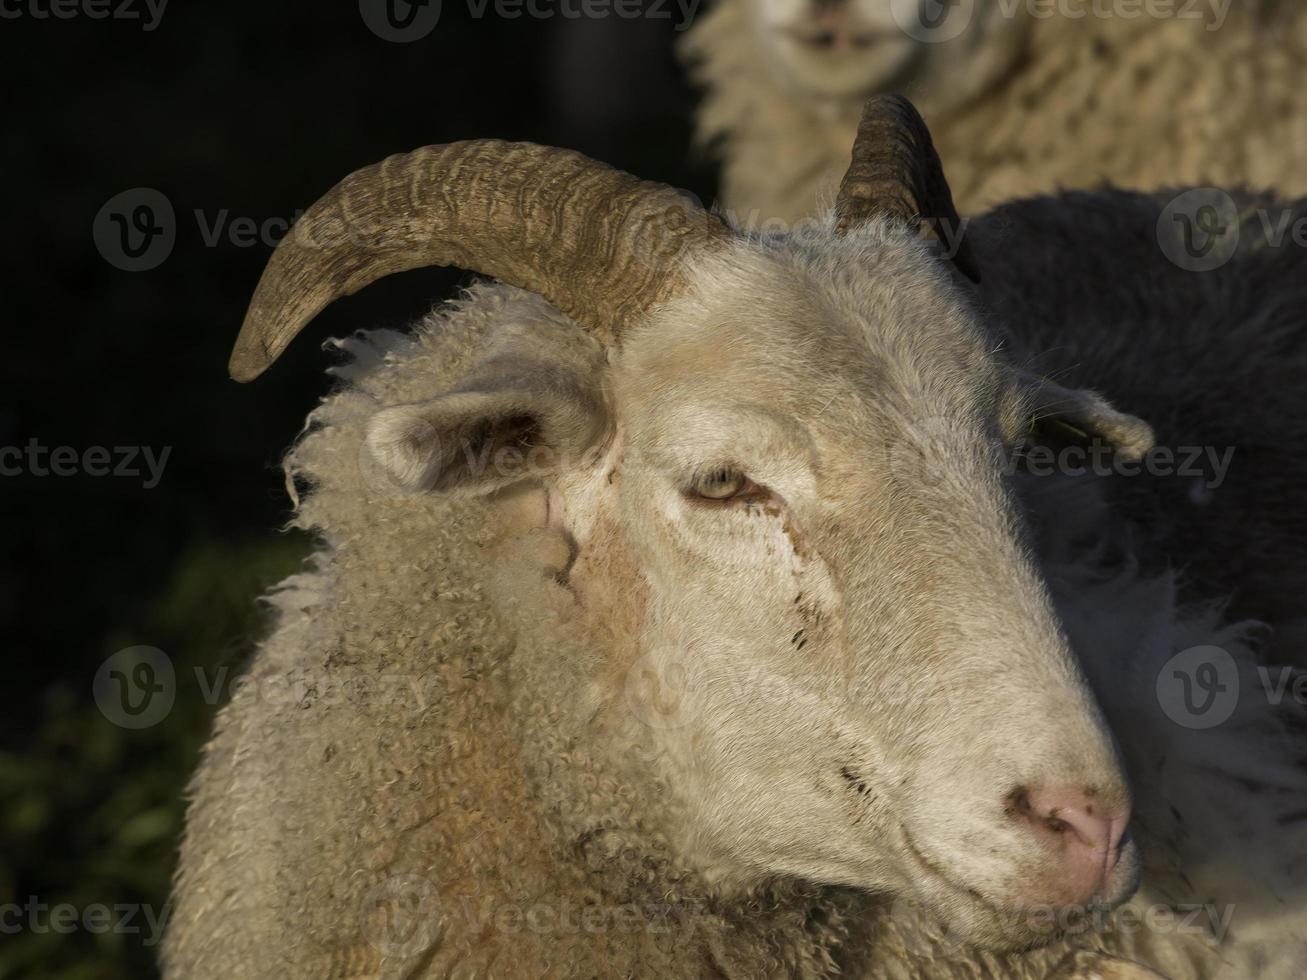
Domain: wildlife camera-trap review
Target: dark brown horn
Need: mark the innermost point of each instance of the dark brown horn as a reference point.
(599, 244)
(896, 173)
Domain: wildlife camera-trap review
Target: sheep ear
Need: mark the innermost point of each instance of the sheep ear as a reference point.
(1065, 416)
(517, 420)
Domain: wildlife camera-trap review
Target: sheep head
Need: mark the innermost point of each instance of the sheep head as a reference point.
(841, 51)
(780, 466)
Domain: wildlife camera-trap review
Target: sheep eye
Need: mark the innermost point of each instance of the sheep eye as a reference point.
(720, 484)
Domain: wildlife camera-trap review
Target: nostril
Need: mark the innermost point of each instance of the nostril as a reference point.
(1081, 833)
(1019, 802)
(1072, 814)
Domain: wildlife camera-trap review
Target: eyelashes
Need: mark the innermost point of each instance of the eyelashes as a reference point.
(722, 485)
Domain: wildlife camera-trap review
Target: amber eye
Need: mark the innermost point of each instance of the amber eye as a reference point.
(720, 484)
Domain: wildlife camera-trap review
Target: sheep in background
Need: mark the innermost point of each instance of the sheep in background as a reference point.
(653, 635)
(1100, 288)
(1020, 102)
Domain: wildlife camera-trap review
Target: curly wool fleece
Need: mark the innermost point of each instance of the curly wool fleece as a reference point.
(418, 737)
(1138, 102)
(429, 770)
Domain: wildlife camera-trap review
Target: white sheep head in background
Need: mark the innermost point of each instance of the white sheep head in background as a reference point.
(748, 469)
(1025, 97)
(838, 52)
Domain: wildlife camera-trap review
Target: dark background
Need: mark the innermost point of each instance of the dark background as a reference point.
(255, 110)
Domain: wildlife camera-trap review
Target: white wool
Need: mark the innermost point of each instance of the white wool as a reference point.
(1019, 103)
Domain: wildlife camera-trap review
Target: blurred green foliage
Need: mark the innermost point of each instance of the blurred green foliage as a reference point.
(93, 812)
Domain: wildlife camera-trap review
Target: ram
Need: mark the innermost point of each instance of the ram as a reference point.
(1023, 97)
(679, 614)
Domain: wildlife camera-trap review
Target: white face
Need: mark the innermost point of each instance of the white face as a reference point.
(791, 534)
(849, 49)
(851, 669)
(832, 49)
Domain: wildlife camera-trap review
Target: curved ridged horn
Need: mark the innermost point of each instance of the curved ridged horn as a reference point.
(896, 173)
(597, 243)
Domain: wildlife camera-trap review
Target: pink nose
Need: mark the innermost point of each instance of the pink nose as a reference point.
(1084, 833)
